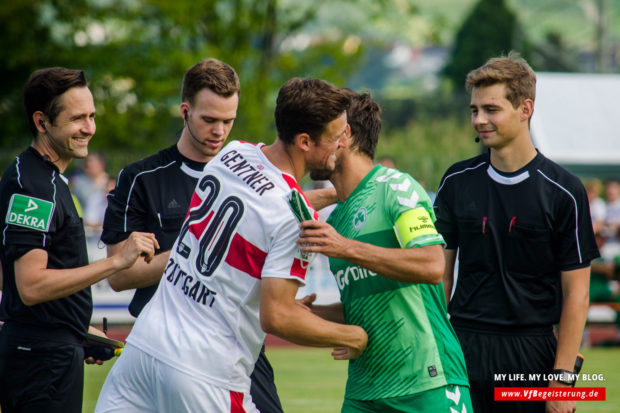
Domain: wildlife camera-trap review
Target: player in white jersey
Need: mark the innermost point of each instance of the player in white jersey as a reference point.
(235, 269)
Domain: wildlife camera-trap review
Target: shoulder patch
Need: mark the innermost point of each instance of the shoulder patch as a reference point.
(29, 212)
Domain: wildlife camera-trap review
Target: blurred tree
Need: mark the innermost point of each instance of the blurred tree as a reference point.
(491, 29)
(553, 55)
(135, 53)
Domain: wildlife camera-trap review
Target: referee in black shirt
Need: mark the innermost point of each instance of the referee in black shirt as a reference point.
(46, 302)
(153, 194)
(521, 226)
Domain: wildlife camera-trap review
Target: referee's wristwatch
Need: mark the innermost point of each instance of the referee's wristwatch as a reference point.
(564, 376)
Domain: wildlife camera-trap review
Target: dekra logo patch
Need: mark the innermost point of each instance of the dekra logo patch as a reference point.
(29, 212)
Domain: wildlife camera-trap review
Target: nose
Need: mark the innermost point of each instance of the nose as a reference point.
(89, 127)
(478, 118)
(218, 128)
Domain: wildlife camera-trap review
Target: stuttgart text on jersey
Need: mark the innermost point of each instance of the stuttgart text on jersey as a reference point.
(191, 287)
(247, 172)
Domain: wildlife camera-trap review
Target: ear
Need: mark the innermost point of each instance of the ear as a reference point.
(39, 121)
(303, 141)
(347, 139)
(527, 109)
(183, 109)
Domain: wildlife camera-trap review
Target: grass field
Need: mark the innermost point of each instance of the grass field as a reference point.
(309, 381)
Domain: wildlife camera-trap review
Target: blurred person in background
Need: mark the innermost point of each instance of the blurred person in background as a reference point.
(612, 213)
(598, 208)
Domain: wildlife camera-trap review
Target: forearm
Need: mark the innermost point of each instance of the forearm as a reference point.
(282, 316)
(570, 329)
(293, 323)
(43, 284)
(141, 274)
(413, 265)
(448, 274)
(330, 312)
(320, 198)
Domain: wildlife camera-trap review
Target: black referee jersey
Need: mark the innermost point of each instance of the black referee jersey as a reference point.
(37, 211)
(515, 233)
(151, 195)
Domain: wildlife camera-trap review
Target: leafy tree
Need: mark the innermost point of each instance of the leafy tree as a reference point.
(489, 30)
(135, 53)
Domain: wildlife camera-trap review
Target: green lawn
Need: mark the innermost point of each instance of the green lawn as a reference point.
(309, 381)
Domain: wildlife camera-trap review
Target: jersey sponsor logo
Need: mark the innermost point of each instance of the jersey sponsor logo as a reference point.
(247, 172)
(359, 219)
(191, 287)
(352, 274)
(29, 212)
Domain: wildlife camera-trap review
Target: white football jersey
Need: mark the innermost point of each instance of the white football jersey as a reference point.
(204, 318)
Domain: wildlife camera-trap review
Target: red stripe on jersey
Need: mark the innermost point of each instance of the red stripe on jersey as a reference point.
(193, 203)
(292, 183)
(198, 228)
(299, 268)
(246, 257)
(236, 402)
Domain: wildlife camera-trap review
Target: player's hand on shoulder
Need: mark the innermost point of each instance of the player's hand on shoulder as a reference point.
(138, 244)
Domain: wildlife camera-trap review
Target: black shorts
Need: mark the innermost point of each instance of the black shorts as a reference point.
(40, 375)
(263, 389)
(513, 353)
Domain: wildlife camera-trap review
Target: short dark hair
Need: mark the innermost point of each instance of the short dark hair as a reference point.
(307, 106)
(210, 74)
(511, 70)
(44, 88)
(364, 117)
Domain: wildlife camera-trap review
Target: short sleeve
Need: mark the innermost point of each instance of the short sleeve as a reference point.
(31, 218)
(410, 209)
(444, 210)
(284, 258)
(125, 212)
(574, 241)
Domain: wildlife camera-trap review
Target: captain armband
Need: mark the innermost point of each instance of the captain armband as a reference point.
(415, 228)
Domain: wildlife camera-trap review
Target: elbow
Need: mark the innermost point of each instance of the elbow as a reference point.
(436, 273)
(115, 284)
(29, 296)
(272, 321)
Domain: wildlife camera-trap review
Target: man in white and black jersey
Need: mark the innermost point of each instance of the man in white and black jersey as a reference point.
(236, 253)
(522, 229)
(153, 194)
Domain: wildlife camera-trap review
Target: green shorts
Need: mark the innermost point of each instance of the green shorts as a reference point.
(446, 399)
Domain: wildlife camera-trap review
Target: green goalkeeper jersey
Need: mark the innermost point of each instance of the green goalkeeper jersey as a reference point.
(411, 344)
